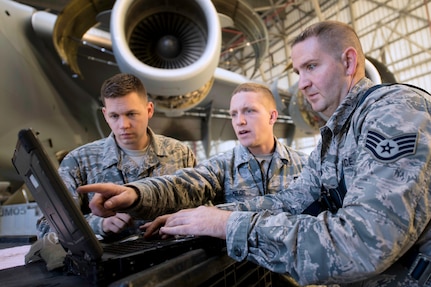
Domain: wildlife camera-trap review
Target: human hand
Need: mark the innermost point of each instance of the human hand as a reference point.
(204, 220)
(109, 198)
(153, 228)
(117, 223)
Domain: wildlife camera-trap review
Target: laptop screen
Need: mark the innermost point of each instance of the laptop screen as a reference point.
(39, 174)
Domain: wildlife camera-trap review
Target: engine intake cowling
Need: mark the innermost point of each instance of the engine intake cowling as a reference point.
(172, 46)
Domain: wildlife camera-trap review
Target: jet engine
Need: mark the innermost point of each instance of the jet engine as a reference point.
(173, 46)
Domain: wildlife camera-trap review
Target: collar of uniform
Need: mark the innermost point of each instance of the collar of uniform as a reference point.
(281, 151)
(348, 106)
(243, 155)
(111, 152)
(155, 149)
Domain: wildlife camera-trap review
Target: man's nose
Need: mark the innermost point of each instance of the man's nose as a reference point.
(124, 122)
(303, 83)
(241, 120)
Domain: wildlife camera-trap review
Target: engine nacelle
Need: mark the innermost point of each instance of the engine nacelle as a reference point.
(172, 46)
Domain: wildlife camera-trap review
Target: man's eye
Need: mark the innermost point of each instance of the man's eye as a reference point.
(311, 67)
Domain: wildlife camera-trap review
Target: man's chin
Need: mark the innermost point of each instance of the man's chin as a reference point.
(245, 142)
(129, 144)
(316, 108)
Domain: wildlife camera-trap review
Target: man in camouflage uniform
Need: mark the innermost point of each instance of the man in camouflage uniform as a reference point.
(259, 165)
(380, 145)
(132, 151)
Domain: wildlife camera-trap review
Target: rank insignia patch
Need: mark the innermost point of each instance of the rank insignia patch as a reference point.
(390, 149)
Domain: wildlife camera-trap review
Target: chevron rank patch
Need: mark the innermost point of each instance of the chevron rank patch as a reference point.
(390, 149)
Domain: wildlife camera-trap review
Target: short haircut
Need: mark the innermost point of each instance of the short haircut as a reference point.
(257, 88)
(121, 85)
(334, 38)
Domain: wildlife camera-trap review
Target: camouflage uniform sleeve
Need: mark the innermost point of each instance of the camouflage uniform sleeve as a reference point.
(70, 172)
(188, 187)
(95, 223)
(385, 210)
(237, 234)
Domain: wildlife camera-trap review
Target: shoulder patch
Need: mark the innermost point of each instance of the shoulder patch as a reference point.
(390, 149)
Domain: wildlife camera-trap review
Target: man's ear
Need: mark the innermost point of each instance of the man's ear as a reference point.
(104, 113)
(349, 60)
(150, 109)
(273, 117)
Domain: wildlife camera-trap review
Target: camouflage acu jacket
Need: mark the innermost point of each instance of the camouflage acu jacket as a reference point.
(383, 149)
(104, 161)
(228, 177)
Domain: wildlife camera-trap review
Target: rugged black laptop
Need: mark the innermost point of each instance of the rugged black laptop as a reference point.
(86, 256)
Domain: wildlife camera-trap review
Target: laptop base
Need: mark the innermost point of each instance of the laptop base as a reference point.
(105, 271)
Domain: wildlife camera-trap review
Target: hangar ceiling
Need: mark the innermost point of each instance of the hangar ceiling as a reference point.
(397, 33)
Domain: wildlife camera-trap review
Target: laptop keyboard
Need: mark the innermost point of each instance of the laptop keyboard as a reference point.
(138, 244)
